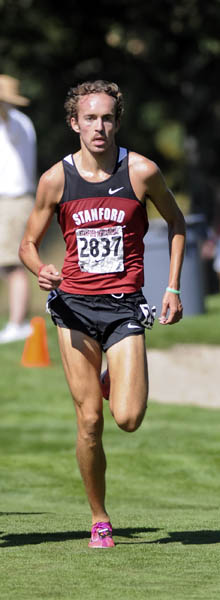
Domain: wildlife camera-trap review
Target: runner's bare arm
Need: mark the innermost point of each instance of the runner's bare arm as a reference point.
(49, 192)
(149, 181)
(165, 203)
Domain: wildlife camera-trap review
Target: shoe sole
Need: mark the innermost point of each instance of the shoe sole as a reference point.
(105, 384)
(101, 545)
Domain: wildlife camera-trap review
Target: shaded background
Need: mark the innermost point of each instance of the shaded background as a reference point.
(165, 57)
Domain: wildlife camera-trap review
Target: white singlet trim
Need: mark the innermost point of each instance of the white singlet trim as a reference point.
(122, 153)
(68, 159)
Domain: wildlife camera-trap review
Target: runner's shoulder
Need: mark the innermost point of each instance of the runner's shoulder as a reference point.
(53, 178)
(142, 166)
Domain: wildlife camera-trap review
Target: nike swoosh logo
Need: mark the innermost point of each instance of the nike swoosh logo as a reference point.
(110, 191)
(130, 326)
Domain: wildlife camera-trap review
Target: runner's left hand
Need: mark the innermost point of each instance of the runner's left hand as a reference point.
(172, 309)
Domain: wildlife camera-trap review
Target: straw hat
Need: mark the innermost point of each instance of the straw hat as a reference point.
(9, 91)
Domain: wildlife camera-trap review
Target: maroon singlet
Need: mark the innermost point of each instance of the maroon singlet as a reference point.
(103, 226)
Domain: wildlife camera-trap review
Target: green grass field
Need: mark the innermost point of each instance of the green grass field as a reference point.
(162, 489)
(198, 329)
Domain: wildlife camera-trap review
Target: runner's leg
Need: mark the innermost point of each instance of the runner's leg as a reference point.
(82, 356)
(127, 363)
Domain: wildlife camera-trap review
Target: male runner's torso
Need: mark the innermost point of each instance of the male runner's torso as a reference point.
(103, 225)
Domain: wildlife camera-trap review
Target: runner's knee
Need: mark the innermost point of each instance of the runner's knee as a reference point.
(91, 427)
(129, 422)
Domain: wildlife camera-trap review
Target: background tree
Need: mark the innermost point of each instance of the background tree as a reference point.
(163, 54)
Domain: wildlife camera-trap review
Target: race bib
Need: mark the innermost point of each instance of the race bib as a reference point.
(100, 250)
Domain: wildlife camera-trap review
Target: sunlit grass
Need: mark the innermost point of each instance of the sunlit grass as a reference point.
(198, 329)
(162, 490)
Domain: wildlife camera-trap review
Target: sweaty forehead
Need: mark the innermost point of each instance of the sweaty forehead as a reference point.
(97, 103)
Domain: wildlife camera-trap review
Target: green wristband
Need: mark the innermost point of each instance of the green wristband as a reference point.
(169, 289)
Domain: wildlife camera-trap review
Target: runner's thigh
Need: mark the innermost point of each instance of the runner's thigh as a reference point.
(127, 364)
(81, 356)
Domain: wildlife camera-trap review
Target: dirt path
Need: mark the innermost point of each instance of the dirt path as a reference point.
(186, 374)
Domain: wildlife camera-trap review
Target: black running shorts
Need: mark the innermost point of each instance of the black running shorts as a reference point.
(106, 318)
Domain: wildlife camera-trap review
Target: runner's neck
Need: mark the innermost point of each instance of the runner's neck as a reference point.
(96, 168)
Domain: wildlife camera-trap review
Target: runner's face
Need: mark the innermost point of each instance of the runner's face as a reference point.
(96, 122)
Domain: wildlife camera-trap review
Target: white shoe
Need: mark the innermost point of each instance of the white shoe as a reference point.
(13, 332)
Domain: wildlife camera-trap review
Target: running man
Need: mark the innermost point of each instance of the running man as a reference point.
(100, 195)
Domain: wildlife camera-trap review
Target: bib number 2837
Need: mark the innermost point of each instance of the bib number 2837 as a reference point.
(100, 250)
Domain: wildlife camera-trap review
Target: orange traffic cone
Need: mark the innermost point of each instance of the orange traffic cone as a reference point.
(35, 353)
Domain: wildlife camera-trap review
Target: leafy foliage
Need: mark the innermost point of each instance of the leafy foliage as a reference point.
(164, 55)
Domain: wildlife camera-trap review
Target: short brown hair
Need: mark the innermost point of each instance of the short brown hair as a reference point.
(95, 87)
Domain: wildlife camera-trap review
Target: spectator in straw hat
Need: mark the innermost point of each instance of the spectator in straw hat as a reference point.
(17, 188)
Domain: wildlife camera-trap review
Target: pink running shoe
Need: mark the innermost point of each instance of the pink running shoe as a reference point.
(105, 384)
(101, 536)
